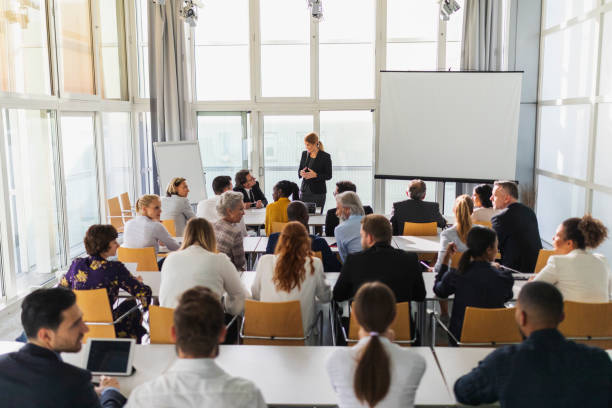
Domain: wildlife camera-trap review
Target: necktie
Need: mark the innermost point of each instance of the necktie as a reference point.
(252, 196)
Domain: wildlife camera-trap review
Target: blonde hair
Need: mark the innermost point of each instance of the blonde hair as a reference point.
(200, 231)
(312, 138)
(173, 185)
(145, 201)
(463, 208)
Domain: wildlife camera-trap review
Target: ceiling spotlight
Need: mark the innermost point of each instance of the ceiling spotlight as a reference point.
(448, 7)
(316, 9)
(189, 12)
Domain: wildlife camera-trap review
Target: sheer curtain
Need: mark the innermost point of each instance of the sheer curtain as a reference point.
(483, 28)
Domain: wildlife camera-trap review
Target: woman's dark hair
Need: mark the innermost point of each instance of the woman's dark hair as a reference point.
(43, 309)
(98, 237)
(479, 239)
(374, 308)
(288, 188)
(586, 232)
(484, 192)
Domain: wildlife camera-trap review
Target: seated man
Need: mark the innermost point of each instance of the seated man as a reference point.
(415, 209)
(331, 219)
(379, 261)
(249, 187)
(194, 379)
(516, 227)
(546, 370)
(36, 376)
(297, 211)
(350, 212)
(208, 208)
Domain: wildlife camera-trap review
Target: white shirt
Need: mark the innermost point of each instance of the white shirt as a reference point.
(208, 209)
(195, 266)
(313, 285)
(484, 214)
(407, 369)
(177, 208)
(143, 232)
(196, 383)
(581, 276)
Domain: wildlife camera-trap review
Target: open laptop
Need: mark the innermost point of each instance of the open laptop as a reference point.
(109, 356)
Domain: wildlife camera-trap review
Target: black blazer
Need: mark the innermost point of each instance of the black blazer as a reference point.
(415, 211)
(36, 377)
(322, 165)
(519, 237)
(257, 193)
(332, 221)
(398, 269)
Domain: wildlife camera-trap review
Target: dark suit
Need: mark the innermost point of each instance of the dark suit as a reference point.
(518, 236)
(332, 221)
(415, 211)
(545, 370)
(322, 165)
(318, 244)
(37, 377)
(257, 194)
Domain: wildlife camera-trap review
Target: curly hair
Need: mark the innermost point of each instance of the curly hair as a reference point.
(98, 237)
(586, 232)
(292, 249)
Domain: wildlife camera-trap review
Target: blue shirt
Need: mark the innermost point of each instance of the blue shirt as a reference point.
(348, 236)
(318, 244)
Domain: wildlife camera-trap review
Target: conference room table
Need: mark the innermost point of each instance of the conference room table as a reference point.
(256, 217)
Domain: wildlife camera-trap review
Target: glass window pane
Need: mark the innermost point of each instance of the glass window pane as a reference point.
(602, 209)
(603, 146)
(348, 21)
(346, 71)
(605, 71)
(412, 19)
(395, 190)
(29, 137)
(145, 153)
(75, 49)
(564, 135)
(78, 155)
(454, 26)
(142, 25)
(412, 56)
(116, 129)
(112, 50)
(453, 56)
(24, 48)
(558, 11)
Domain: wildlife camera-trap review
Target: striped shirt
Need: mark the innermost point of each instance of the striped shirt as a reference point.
(229, 242)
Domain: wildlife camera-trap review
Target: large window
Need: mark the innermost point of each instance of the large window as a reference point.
(116, 129)
(112, 50)
(142, 47)
(145, 153)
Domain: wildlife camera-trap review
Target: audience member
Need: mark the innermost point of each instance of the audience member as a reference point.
(516, 228)
(277, 211)
(95, 272)
(476, 282)
(292, 273)
(331, 219)
(350, 211)
(580, 275)
(195, 380)
(457, 234)
(176, 206)
(36, 376)
(198, 263)
(227, 229)
(415, 209)
(375, 372)
(297, 211)
(546, 370)
(145, 230)
(208, 208)
(249, 187)
(483, 206)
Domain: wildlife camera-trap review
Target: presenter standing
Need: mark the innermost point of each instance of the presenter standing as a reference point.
(315, 168)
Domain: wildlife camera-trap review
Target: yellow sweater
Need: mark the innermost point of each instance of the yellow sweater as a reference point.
(276, 212)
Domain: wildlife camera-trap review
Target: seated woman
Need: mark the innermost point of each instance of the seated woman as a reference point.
(228, 231)
(476, 282)
(199, 263)
(483, 207)
(277, 211)
(95, 272)
(175, 205)
(375, 372)
(292, 273)
(457, 234)
(580, 275)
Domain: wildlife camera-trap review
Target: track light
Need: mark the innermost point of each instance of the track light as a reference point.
(189, 12)
(316, 9)
(448, 7)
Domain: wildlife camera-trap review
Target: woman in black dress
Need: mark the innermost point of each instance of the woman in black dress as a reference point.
(315, 168)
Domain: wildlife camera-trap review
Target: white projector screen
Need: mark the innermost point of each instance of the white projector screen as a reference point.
(448, 125)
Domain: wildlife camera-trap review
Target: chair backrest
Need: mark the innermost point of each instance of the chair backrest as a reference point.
(96, 309)
(455, 259)
(170, 226)
(543, 259)
(114, 213)
(585, 320)
(318, 254)
(489, 326)
(487, 224)
(421, 228)
(144, 257)
(160, 321)
(400, 325)
(273, 319)
(125, 202)
(277, 226)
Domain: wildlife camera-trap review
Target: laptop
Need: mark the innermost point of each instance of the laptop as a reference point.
(109, 356)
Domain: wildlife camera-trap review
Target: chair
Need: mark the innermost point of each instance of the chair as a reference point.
(126, 206)
(277, 226)
(588, 323)
(455, 259)
(97, 313)
(318, 254)
(487, 224)
(144, 257)
(160, 322)
(400, 325)
(543, 259)
(170, 226)
(114, 210)
(421, 228)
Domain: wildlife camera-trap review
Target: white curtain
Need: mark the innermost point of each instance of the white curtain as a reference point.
(482, 42)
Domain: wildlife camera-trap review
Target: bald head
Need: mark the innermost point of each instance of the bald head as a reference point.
(539, 306)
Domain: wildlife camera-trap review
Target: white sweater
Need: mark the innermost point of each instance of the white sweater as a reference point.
(177, 208)
(143, 232)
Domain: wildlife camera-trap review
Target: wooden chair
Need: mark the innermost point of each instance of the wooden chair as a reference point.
(160, 322)
(421, 228)
(277, 226)
(318, 254)
(170, 226)
(489, 327)
(487, 224)
(543, 259)
(114, 213)
(588, 323)
(126, 206)
(144, 257)
(455, 259)
(400, 325)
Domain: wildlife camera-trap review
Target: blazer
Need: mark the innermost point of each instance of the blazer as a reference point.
(318, 244)
(518, 237)
(257, 194)
(332, 221)
(322, 165)
(35, 377)
(177, 208)
(400, 270)
(415, 211)
(545, 370)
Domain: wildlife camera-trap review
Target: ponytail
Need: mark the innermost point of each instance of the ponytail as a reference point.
(373, 373)
(464, 207)
(479, 240)
(320, 145)
(312, 138)
(464, 261)
(295, 192)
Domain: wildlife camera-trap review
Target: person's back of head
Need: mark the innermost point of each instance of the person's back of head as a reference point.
(378, 228)
(221, 184)
(417, 190)
(484, 192)
(293, 249)
(200, 231)
(98, 238)
(585, 232)
(463, 209)
(482, 243)
(198, 323)
(286, 189)
(241, 177)
(345, 185)
(350, 200)
(173, 185)
(539, 306)
(297, 211)
(504, 194)
(374, 308)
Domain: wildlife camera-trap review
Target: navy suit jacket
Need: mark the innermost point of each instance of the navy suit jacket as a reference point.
(318, 244)
(257, 194)
(415, 211)
(38, 378)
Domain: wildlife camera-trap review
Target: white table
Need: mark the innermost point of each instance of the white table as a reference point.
(412, 243)
(457, 361)
(257, 217)
(250, 244)
(10, 346)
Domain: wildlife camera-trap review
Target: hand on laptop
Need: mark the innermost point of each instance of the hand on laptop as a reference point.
(106, 382)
